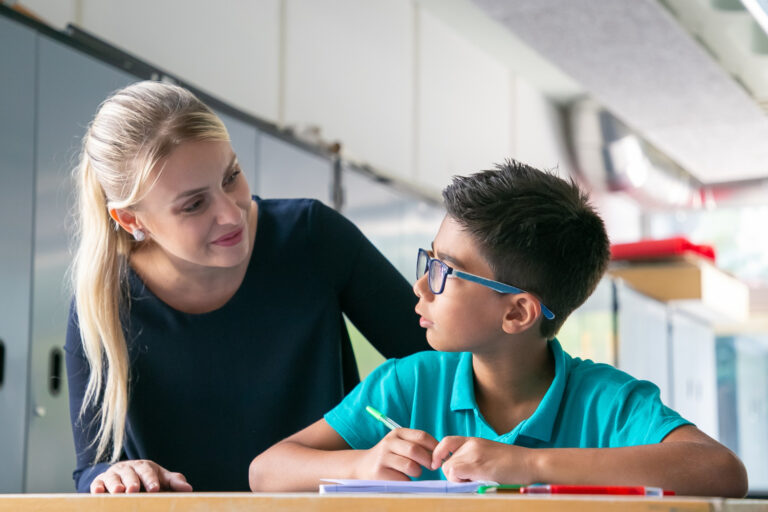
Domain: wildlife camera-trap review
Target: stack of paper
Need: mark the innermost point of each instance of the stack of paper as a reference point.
(412, 486)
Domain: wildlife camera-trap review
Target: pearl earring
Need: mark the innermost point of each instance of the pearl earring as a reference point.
(138, 235)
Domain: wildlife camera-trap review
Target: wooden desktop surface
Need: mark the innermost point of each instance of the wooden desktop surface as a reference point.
(312, 502)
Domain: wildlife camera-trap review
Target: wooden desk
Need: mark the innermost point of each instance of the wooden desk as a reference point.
(242, 502)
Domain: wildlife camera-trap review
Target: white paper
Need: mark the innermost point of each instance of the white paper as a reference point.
(412, 486)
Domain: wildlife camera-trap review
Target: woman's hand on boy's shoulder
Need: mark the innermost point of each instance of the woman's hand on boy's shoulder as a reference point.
(474, 458)
(399, 455)
(130, 476)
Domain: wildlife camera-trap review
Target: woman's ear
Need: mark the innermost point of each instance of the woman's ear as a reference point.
(522, 313)
(125, 218)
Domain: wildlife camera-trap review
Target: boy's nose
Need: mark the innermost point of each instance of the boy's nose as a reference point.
(421, 287)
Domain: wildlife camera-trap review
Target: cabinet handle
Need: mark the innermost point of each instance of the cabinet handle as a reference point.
(54, 371)
(2, 363)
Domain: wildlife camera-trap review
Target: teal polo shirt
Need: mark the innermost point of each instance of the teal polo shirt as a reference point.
(588, 405)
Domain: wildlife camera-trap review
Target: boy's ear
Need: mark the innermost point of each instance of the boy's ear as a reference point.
(523, 312)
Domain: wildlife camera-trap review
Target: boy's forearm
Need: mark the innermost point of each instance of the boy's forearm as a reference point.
(290, 466)
(688, 468)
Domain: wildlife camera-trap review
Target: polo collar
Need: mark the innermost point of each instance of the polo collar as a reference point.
(463, 393)
(540, 424)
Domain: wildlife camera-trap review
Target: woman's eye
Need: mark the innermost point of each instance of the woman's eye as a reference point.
(192, 206)
(232, 177)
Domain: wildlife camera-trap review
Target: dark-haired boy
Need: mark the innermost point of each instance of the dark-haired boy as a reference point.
(503, 399)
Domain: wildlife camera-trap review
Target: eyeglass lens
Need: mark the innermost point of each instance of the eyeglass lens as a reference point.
(436, 270)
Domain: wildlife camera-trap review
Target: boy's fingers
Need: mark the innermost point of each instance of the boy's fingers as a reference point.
(417, 436)
(405, 466)
(457, 472)
(445, 448)
(412, 451)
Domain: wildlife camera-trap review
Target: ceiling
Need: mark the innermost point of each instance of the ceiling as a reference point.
(689, 76)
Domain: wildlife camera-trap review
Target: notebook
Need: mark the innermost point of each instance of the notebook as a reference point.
(333, 485)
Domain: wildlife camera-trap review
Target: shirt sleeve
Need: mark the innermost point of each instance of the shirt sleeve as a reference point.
(85, 427)
(382, 391)
(372, 293)
(640, 416)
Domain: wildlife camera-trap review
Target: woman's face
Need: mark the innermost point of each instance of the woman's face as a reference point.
(198, 210)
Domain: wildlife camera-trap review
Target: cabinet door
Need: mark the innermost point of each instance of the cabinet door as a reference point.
(752, 394)
(71, 86)
(643, 338)
(286, 170)
(694, 371)
(17, 181)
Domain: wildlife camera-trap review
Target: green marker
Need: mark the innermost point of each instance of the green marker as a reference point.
(484, 489)
(391, 425)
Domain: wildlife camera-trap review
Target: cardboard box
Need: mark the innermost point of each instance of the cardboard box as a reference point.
(692, 284)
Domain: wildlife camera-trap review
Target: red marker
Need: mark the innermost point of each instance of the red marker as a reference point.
(621, 490)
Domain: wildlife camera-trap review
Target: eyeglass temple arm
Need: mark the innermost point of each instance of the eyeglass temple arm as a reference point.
(501, 287)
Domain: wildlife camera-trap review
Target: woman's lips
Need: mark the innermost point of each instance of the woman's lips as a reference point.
(423, 322)
(230, 239)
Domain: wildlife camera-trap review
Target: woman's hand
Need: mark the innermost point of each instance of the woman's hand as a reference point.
(132, 475)
(473, 458)
(399, 454)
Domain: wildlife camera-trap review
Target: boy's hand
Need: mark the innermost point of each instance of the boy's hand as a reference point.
(399, 454)
(473, 458)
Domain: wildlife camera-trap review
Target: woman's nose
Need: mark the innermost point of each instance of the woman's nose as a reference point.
(228, 211)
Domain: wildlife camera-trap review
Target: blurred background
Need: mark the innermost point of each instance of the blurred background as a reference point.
(657, 107)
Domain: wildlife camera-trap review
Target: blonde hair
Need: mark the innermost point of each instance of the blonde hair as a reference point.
(133, 130)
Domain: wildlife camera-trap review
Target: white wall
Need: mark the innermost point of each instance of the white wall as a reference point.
(397, 86)
(349, 70)
(226, 48)
(539, 131)
(464, 99)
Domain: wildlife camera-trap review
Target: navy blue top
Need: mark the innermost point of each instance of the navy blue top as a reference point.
(209, 392)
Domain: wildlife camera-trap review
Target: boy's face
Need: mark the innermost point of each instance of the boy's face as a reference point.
(466, 316)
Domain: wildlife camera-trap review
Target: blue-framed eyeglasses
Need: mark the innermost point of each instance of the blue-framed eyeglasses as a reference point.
(438, 272)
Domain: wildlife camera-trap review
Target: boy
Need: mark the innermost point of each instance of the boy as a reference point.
(499, 399)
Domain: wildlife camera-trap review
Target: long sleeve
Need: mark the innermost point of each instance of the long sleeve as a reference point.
(373, 294)
(84, 427)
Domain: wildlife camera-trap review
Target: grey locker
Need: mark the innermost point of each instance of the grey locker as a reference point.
(286, 170)
(244, 138)
(71, 85)
(378, 211)
(17, 106)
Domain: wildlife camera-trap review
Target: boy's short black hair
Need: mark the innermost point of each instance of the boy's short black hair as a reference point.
(537, 231)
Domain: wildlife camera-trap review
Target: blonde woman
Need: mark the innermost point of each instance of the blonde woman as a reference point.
(206, 324)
